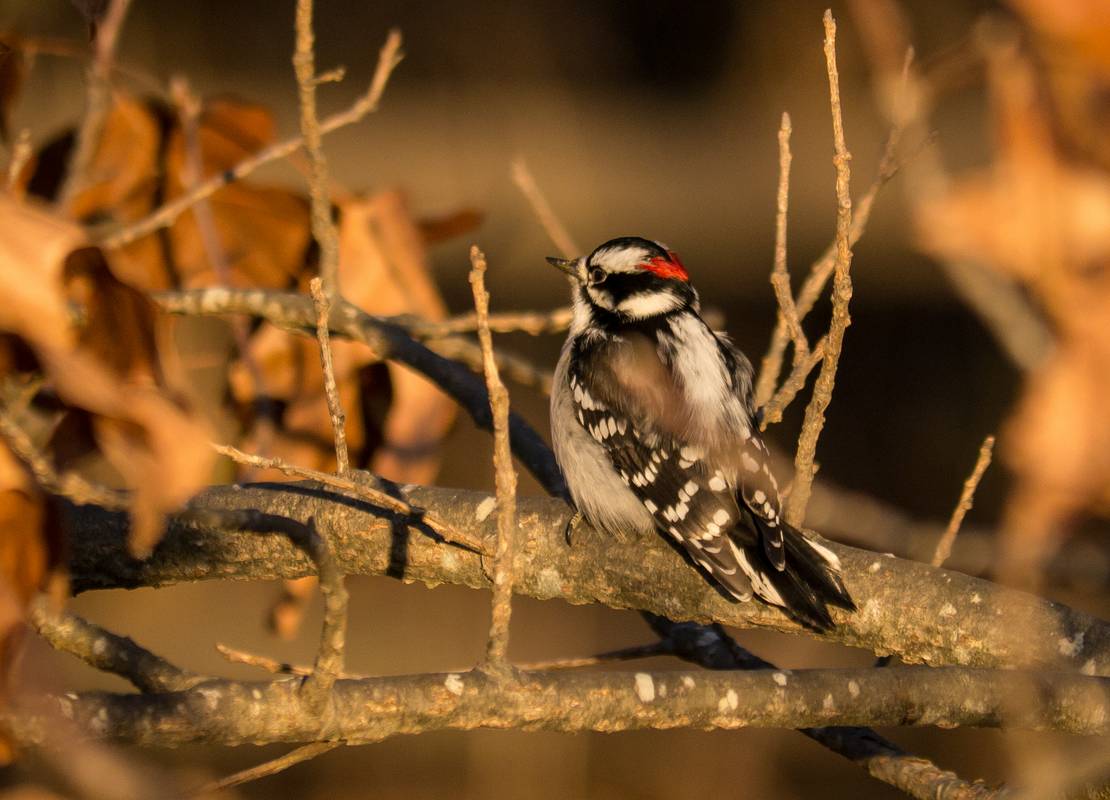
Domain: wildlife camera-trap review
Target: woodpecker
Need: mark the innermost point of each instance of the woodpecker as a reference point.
(654, 428)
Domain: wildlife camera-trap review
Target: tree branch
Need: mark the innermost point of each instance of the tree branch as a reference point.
(372, 709)
(957, 619)
(712, 648)
(387, 340)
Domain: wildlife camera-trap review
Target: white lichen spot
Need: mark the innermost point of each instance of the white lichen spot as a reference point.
(211, 697)
(828, 704)
(100, 646)
(948, 610)
(729, 702)
(779, 678)
(853, 688)
(875, 567)
(976, 599)
(688, 682)
(448, 560)
(662, 690)
(550, 582)
(645, 687)
(256, 694)
(1070, 647)
(1088, 667)
(454, 684)
(485, 508)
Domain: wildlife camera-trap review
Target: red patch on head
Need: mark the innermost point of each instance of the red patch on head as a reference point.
(666, 268)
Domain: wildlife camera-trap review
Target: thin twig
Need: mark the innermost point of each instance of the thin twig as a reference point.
(967, 496)
(534, 323)
(780, 276)
(272, 664)
(804, 360)
(366, 104)
(556, 231)
(107, 651)
(660, 648)
(822, 269)
(773, 409)
(322, 302)
(323, 225)
(98, 103)
(512, 366)
(504, 474)
(804, 467)
(268, 768)
(64, 484)
(351, 483)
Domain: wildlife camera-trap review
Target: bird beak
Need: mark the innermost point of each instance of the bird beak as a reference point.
(567, 265)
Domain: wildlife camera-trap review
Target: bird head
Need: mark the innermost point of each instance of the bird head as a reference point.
(631, 277)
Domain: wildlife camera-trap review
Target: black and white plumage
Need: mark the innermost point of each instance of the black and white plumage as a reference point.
(653, 426)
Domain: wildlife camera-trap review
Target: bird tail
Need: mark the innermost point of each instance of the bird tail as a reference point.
(806, 585)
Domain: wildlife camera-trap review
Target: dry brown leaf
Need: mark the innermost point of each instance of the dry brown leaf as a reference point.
(1044, 220)
(159, 449)
(263, 233)
(382, 269)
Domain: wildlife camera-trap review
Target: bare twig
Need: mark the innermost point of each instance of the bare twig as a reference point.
(350, 482)
(512, 367)
(531, 322)
(556, 231)
(108, 652)
(268, 768)
(804, 360)
(98, 102)
(794, 383)
(780, 277)
(323, 226)
(822, 269)
(967, 496)
(660, 648)
(272, 664)
(504, 474)
(166, 215)
(322, 302)
(65, 484)
(804, 467)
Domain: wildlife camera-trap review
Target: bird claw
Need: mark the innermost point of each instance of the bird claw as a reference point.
(572, 528)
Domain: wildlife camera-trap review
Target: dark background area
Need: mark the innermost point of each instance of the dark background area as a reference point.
(649, 118)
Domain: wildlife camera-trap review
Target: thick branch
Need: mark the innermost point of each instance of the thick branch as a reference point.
(956, 619)
(373, 709)
(712, 648)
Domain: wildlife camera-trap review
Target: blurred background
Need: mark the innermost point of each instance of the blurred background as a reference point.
(651, 118)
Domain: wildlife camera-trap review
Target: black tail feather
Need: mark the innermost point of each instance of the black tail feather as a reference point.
(810, 581)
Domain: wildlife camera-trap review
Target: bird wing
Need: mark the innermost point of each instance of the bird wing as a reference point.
(625, 397)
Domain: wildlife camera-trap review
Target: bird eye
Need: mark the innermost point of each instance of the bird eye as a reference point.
(597, 275)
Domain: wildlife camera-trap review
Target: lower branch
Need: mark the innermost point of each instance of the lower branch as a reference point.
(712, 648)
(369, 710)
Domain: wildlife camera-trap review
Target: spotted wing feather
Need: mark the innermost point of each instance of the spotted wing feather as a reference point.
(698, 510)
